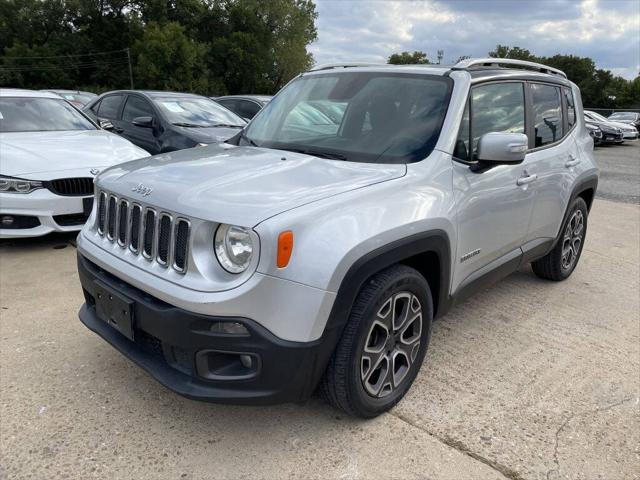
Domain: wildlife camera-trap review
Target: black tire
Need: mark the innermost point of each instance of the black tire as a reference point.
(343, 384)
(553, 266)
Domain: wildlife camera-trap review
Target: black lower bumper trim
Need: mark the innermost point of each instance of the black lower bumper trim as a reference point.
(167, 339)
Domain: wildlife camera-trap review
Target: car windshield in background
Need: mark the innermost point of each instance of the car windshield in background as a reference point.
(599, 117)
(197, 112)
(373, 117)
(27, 114)
(78, 97)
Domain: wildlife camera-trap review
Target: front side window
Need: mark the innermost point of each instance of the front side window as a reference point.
(496, 107)
(197, 112)
(109, 106)
(25, 114)
(547, 112)
(376, 117)
(136, 107)
(248, 109)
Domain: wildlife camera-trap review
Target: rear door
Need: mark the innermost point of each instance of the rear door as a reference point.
(553, 158)
(493, 205)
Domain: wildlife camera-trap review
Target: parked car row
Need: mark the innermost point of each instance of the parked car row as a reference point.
(55, 141)
(615, 129)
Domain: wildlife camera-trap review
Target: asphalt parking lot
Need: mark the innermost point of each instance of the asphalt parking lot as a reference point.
(528, 380)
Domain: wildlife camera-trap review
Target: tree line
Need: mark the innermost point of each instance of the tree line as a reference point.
(600, 88)
(212, 47)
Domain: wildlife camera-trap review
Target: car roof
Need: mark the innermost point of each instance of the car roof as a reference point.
(260, 98)
(20, 92)
(477, 73)
(60, 90)
(155, 93)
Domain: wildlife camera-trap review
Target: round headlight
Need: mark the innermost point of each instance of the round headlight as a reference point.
(233, 247)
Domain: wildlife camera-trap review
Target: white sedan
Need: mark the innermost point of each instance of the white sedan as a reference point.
(49, 154)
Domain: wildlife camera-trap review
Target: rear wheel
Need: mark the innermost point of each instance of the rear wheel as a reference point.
(383, 344)
(562, 260)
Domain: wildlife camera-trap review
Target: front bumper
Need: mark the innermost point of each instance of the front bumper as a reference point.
(168, 341)
(54, 213)
(630, 135)
(612, 137)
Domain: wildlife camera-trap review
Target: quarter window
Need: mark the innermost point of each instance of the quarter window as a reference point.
(109, 106)
(547, 112)
(136, 107)
(571, 107)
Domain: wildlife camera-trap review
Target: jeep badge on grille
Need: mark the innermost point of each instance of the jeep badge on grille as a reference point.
(142, 190)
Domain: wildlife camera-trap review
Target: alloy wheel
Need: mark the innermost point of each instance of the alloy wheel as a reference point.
(392, 344)
(572, 240)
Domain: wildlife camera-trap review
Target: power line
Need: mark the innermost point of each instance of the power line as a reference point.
(67, 56)
(31, 68)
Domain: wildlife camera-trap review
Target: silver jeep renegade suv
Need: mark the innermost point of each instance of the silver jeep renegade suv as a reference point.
(314, 249)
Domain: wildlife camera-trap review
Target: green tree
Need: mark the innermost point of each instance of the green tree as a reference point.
(167, 59)
(502, 51)
(406, 58)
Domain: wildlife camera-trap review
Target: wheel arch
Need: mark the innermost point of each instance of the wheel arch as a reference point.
(428, 252)
(420, 251)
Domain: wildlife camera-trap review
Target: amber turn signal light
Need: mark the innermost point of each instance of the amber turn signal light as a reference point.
(285, 247)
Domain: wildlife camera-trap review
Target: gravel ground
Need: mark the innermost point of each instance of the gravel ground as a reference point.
(620, 172)
(528, 380)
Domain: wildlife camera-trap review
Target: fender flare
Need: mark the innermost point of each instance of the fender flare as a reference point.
(435, 241)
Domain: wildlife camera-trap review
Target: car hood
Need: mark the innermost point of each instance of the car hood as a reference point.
(29, 153)
(210, 134)
(239, 185)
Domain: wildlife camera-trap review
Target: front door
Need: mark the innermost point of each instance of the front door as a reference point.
(144, 137)
(493, 205)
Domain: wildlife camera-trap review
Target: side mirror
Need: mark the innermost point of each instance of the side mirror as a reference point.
(498, 148)
(105, 124)
(145, 122)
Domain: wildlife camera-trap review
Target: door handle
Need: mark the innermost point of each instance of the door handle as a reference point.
(572, 162)
(526, 178)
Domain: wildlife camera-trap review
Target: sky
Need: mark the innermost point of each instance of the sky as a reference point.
(608, 31)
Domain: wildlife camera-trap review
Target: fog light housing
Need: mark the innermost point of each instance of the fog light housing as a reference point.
(6, 220)
(217, 365)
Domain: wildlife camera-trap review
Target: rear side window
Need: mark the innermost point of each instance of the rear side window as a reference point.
(109, 106)
(247, 109)
(136, 107)
(571, 107)
(547, 113)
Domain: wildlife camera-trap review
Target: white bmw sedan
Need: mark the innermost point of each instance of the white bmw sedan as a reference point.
(49, 154)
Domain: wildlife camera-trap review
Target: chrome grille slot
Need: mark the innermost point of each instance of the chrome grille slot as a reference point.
(123, 217)
(111, 218)
(134, 234)
(164, 239)
(149, 233)
(159, 236)
(181, 245)
(102, 212)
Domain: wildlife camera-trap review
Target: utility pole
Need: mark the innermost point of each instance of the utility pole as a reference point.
(130, 71)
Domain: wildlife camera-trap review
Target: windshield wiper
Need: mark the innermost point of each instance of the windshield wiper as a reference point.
(315, 153)
(227, 125)
(190, 125)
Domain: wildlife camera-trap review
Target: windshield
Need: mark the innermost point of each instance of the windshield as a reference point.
(197, 112)
(598, 117)
(24, 114)
(623, 116)
(356, 116)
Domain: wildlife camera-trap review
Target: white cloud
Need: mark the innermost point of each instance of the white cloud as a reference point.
(606, 30)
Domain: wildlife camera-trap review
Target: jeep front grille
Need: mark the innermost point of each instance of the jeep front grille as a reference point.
(158, 236)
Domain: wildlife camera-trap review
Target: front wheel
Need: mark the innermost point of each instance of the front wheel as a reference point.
(383, 344)
(562, 260)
